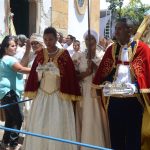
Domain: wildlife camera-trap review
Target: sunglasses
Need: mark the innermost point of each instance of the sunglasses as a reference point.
(34, 43)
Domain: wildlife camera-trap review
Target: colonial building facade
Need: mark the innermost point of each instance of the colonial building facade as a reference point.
(67, 16)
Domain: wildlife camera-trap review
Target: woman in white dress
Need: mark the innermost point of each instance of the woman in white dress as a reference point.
(53, 84)
(89, 111)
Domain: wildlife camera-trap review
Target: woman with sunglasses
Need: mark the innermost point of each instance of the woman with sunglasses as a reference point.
(37, 44)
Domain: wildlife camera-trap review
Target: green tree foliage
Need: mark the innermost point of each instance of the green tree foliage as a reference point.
(135, 11)
(115, 7)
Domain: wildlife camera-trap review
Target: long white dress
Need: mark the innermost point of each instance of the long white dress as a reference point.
(50, 115)
(89, 122)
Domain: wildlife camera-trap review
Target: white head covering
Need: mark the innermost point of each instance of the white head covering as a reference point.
(93, 33)
(37, 37)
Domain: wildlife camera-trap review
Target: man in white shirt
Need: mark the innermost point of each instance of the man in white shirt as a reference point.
(69, 44)
(125, 66)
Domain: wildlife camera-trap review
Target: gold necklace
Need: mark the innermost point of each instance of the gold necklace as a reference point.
(54, 52)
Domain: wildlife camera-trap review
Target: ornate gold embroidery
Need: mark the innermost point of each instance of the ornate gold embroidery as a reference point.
(30, 94)
(109, 63)
(137, 66)
(131, 56)
(107, 67)
(144, 90)
(45, 52)
(69, 97)
(146, 35)
(62, 62)
(114, 47)
(54, 59)
(133, 77)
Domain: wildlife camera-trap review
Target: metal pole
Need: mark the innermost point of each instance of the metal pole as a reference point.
(89, 34)
(53, 138)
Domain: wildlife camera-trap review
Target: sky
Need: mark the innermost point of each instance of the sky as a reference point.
(104, 4)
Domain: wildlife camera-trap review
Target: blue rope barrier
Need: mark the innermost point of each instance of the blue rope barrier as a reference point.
(54, 138)
(7, 105)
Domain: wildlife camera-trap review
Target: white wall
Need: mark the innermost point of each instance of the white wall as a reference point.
(45, 16)
(77, 24)
(103, 4)
(2, 17)
(103, 22)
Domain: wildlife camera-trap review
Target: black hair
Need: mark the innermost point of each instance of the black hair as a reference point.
(50, 30)
(76, 41)
(71, 37)
(5, 44)
(128, 22)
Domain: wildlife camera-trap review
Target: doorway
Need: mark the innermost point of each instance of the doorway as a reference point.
(20, 8)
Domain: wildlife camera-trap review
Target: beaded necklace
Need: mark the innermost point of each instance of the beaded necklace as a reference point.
(52, 53)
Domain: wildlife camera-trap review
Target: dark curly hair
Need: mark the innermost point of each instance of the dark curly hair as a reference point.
(5, 44)
(50, 30)
(128, 22)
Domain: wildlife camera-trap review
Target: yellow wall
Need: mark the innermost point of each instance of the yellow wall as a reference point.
(60, 15)
(95, 14)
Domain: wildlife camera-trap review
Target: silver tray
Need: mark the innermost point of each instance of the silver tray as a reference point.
(110, 89)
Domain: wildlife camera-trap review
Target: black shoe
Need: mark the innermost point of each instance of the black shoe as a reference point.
(4, 146)
(17, 147)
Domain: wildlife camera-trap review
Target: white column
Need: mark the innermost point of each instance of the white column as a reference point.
(2, 17)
